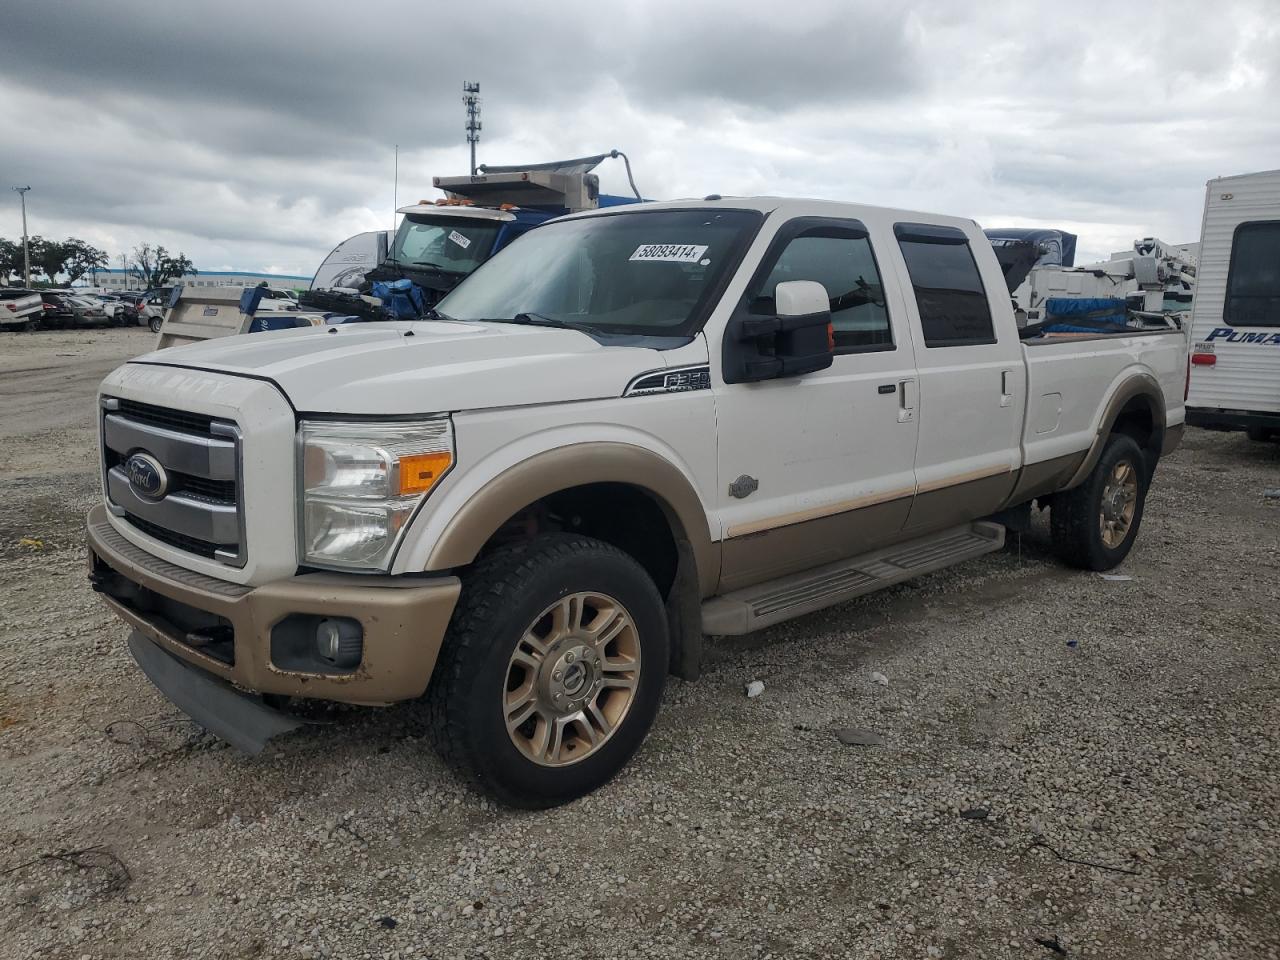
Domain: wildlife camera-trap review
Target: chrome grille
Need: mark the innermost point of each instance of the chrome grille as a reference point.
(198, 508)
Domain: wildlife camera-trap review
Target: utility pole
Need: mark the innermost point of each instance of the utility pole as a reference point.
(471, 97)
(26, 254)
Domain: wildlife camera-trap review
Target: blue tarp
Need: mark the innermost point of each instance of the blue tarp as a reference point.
(1076, 306)
(401, 298)
(1085, 315)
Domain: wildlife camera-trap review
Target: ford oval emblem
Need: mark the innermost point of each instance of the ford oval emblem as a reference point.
(147, 476)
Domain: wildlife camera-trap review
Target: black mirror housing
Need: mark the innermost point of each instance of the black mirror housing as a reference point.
(765, 348)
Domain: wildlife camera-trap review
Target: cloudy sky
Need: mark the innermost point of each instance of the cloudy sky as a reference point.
(257, 135)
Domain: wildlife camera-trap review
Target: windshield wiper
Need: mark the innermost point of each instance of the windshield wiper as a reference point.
(429, 263)
(542, 320)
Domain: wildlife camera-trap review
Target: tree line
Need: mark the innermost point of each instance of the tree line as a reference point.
(152, 266)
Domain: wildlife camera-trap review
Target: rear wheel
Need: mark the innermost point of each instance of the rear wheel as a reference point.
(1095, 524)
(552, 670)
(154, 324)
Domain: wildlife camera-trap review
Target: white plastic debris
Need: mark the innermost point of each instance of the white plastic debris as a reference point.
(1116, 577)
(754, 689)
(880, 678)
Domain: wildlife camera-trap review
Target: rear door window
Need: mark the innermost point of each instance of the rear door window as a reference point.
(953, 306)
(1253, 280)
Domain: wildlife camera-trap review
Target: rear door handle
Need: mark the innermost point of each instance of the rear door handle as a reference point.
(1006, 387)
(906, 401)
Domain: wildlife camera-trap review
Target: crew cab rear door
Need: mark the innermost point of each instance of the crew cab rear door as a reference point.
(971, 374)
(817, 467)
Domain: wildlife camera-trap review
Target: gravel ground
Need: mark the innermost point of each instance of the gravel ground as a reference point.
(1071, 767)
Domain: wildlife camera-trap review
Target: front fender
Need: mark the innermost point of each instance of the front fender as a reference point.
(452, 533)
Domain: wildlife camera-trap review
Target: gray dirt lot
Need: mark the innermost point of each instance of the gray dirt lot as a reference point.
(744, 828)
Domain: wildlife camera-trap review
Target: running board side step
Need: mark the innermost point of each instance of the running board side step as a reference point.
(774, 601)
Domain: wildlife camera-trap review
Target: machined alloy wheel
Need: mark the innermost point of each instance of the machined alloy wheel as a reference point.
(1119, 501)
(552, 670)
(1095, 524)
(572, 679)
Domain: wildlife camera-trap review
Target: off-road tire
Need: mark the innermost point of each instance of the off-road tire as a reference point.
(1075, 514)
(502, 596)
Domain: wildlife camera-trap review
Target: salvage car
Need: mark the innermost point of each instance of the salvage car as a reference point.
(20, 309)
(634, 427)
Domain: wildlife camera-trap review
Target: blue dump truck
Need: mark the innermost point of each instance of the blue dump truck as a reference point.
(439, 243)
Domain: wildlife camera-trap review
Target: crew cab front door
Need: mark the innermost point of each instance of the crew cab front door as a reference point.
(818, 467)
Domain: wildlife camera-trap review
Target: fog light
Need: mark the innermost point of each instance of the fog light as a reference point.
(340, 641)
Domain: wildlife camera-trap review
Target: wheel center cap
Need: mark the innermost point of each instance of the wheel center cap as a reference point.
(571, 676)
(1115, 504)
(575, 676)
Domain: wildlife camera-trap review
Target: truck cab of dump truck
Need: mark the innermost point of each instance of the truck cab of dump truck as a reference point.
(439, 243)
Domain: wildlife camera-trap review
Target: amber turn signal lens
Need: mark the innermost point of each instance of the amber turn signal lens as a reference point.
(419, 472)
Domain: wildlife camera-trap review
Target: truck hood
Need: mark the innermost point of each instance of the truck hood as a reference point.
(421, 367)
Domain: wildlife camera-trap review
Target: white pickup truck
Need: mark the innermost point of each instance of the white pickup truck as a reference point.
(631, 428)
(20, 309)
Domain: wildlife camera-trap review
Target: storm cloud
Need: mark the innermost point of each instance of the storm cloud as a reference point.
(256, 136)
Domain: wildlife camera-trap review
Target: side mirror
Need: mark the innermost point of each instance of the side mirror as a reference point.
(795, 341)
(801, 298)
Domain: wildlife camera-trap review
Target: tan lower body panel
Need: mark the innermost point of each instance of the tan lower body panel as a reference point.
(799, 546)
(403, 619)
(1047, 476)
(782, 599)
(958, 502)
(795, 547)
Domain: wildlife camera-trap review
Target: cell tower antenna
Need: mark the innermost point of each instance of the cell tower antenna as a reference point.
(471, 97)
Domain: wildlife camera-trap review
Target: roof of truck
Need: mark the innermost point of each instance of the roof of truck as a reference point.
(789, 207)
(463, 211)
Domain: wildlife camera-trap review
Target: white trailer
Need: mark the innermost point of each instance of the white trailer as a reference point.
(1235, 326)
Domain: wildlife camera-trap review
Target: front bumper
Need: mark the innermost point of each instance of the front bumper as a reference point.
(403, 618)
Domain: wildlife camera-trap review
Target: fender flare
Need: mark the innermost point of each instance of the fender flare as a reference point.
(563, 468)
(1139, 385)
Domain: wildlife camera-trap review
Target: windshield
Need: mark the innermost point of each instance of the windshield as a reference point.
(640, 272)
(452, 244)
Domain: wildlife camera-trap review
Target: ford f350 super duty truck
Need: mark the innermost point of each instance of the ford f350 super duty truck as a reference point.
(633, 428)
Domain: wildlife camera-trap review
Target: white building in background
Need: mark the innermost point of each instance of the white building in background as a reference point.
(117, 279)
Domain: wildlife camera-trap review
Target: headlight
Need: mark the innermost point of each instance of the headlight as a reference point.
(361, 483)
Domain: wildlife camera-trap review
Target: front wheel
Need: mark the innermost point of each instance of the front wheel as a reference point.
(1095, 524)
(552, 670)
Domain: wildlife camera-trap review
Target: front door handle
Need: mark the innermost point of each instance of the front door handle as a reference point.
(906, 401)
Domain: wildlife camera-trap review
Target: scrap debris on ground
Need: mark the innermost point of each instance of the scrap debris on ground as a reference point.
(1070, 767)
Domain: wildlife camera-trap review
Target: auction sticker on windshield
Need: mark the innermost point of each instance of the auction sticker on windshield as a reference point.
(459, 239)
(670, 252)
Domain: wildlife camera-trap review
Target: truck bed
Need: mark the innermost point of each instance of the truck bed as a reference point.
(1071, 379)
